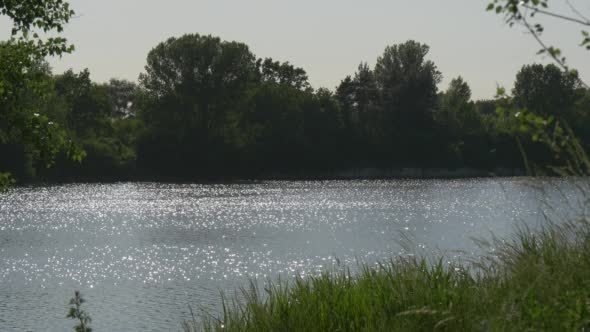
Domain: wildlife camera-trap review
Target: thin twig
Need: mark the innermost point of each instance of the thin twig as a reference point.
(544, 46)
(560, 16)
(576, 11)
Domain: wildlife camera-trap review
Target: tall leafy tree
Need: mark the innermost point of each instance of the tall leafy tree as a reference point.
(367, 102)
(546, 90)
(195, 85)
(283, 73)
(455, 103)
(461, 126)
(202, 72)
(408, 83)
(90, 106)
(20, 123)
(360, 101)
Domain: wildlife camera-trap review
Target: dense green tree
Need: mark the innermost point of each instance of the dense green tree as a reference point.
(486, 107)
(326, 146)
(27, 133)
(457, 112)
(195, 86)
(580, 117)
(282, 73)
(89, 113)
(207, 108)
(203, 73)
(462, 126)
(202, 70)
(345, 95)
(453, 103)
(21, 124)
(367, 103)
(360, 101)
(275, 116)
(458, 93)
(545, 90)
(89, 105)
(123, 95)
(408, 83)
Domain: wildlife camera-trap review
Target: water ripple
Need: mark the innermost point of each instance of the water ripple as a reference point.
(142, 252)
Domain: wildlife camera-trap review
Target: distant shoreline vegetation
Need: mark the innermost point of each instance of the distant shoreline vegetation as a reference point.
(210, 109)
(303, 175)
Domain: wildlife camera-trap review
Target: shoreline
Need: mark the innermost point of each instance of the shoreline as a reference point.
(369, 173)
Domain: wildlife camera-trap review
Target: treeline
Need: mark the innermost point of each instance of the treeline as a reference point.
(207, 108)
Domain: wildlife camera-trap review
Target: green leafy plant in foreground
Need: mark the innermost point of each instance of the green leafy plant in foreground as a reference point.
(77, 313)
(533, 281)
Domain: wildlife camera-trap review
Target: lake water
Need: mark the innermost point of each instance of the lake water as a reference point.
(141, 253)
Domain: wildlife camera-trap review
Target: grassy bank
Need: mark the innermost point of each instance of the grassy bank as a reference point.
(534, 281)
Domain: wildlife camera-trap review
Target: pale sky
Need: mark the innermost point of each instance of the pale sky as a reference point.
(328, 38)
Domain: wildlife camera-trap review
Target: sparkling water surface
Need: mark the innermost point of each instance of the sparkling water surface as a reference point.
(141, 253)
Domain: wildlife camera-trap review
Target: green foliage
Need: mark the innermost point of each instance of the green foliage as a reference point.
(123, 96)
(359, 100)
(282, 73)
(101, 118)
(570, 157)
(200, 67)
(32, 16)
(456, 108)
(388, 111)
(207, 108)
(524, 12)
(546, 98)
(211, 108)
(23, 78)
(6, 181)
(22, 119)
(546, 90)
(407, 83)
(77, 313)
(462, 126)
(534, 281)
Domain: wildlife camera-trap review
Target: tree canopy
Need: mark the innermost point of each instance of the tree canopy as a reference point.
(22, 78)
(545, 90)
(206, 108)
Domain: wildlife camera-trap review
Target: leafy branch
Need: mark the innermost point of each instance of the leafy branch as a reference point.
(521, 11)
(31, 17)
(556, 135)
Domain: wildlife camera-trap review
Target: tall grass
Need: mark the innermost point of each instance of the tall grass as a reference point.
(535, 281)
